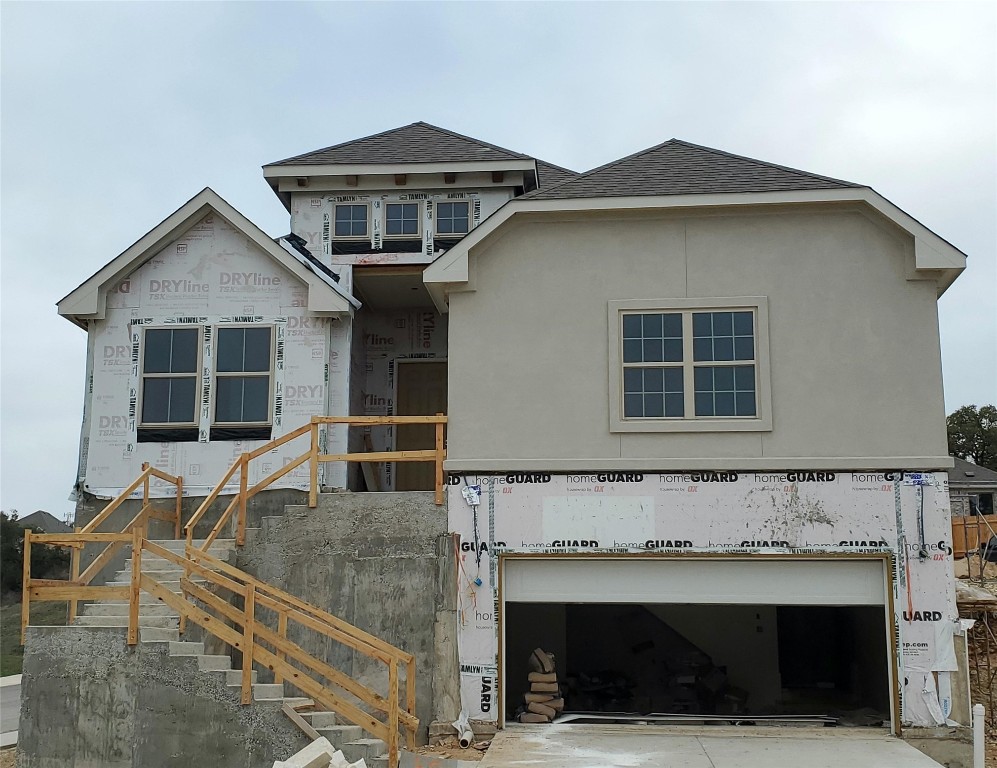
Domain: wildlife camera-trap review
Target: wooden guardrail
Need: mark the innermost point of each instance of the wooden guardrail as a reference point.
(89, 535)
(313, 457)
(256, 623)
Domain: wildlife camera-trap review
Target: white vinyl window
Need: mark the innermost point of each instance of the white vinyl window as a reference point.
(243, 375)
(453, 218)
(689, 365)
(170, 360)
(401, 220)
(351, 221)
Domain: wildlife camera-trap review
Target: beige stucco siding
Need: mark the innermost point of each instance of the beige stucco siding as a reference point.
(854, 354)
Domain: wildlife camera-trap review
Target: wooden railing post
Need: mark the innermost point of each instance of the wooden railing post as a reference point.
(439, 461)
(74, 575)
(145, 485)
(410, 701)
(136, 584)
(313, 467)
(176, 526)
(240, 526)
(393, 712)
(282, 634)
(26, 585)
(249, 616)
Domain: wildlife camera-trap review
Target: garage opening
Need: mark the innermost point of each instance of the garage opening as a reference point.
(733, 660)
(712, 653)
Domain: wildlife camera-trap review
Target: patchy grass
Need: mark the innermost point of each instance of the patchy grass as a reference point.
(11, 650)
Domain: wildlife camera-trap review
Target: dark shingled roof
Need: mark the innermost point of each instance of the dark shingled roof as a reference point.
(416, 143)
(550, 175)
(679, 168)
(960, 474)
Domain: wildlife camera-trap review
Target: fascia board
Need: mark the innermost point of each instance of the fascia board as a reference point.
(359, 169)
(88, 300)
(934, 252)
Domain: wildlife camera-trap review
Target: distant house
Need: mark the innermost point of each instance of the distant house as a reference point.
(972, 493)
(44, 521)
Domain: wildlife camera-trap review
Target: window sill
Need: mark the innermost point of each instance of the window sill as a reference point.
(240, 433)
(691, 425)
(166, 435)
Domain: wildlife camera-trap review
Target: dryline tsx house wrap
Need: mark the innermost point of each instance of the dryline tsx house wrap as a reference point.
(688, 378)
(205, 339)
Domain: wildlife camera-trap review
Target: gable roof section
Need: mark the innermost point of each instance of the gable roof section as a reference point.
(680, 168)
(677, 175)
(415, 143)
(88, 301)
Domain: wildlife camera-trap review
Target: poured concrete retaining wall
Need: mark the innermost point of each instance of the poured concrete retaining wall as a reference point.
(90, 701)
(378, 561)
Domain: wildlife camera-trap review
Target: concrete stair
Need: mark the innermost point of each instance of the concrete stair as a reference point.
(158, 623)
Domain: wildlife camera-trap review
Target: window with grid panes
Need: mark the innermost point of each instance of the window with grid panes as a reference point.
(169, 376)
(243, 366)
(453, 218)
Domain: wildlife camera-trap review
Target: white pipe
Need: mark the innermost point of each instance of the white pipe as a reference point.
(978, 756)
(466, 738)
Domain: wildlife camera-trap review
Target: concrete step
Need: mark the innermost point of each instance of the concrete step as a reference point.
(121, 609)
(178, 545)
(264, 691)
(213, 663)
(233, 677)
(363, 749)
(186, 649)
(173, 586)
(158, 635)
(164, 622)
(320, 719)
(338, 735)
(377, 762)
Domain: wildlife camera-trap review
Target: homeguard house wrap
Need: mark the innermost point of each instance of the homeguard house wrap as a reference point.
(695, 439)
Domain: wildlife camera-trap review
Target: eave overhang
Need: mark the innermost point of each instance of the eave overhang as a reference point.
(89, 300)
(934, 257)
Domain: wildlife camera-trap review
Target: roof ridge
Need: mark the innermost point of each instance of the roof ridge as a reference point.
(419, 123)
(472, 139)
(766, 163)
(341, 144)
(558, 167)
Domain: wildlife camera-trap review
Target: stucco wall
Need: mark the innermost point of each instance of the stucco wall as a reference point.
(855, 362)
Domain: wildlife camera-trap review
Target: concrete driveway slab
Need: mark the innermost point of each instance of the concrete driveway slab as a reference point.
(636, 746)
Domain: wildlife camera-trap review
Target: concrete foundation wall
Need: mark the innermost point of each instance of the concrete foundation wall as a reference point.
(372, 560)
(90, 701)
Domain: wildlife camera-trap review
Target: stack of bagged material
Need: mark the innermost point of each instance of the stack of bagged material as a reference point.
(543, 703)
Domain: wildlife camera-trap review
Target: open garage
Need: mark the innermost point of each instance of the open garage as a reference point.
(704, 637)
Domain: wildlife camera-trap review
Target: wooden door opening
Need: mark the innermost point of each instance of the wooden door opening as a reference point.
(421, 390)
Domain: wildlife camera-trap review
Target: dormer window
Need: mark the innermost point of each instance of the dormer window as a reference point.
(401, 220)
(351, 221)
(453, 218)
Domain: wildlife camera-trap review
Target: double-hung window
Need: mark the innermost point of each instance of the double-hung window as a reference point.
(453, 218)
(401, 220)
(243, 365)
(351, 221)
(689, 365)
(169, 377)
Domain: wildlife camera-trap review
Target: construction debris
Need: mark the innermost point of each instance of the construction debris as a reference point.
(319, 754)
(543, 703)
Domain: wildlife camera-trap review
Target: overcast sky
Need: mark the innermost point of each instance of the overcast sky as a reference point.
(115, 114)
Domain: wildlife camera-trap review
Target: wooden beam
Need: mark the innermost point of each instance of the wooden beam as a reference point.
(427, 455)
(25, 584)
(136, 585)
(78, 539)
(357, 420)
(313, 458)
(299, 721)
(240, 526)
(74, 575)
(109, 509)
(248, 628)
(70, 592)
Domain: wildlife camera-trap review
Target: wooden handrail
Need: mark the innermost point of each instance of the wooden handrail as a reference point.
(209, 500)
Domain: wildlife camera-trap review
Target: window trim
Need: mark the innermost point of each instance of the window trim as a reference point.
(140, 423)
(354, 238)
(216, 375)
(761, 422)
(436, 218)
(419, 214)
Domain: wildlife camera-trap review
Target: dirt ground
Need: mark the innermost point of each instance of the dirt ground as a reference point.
(449, 748)
(7, 757)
